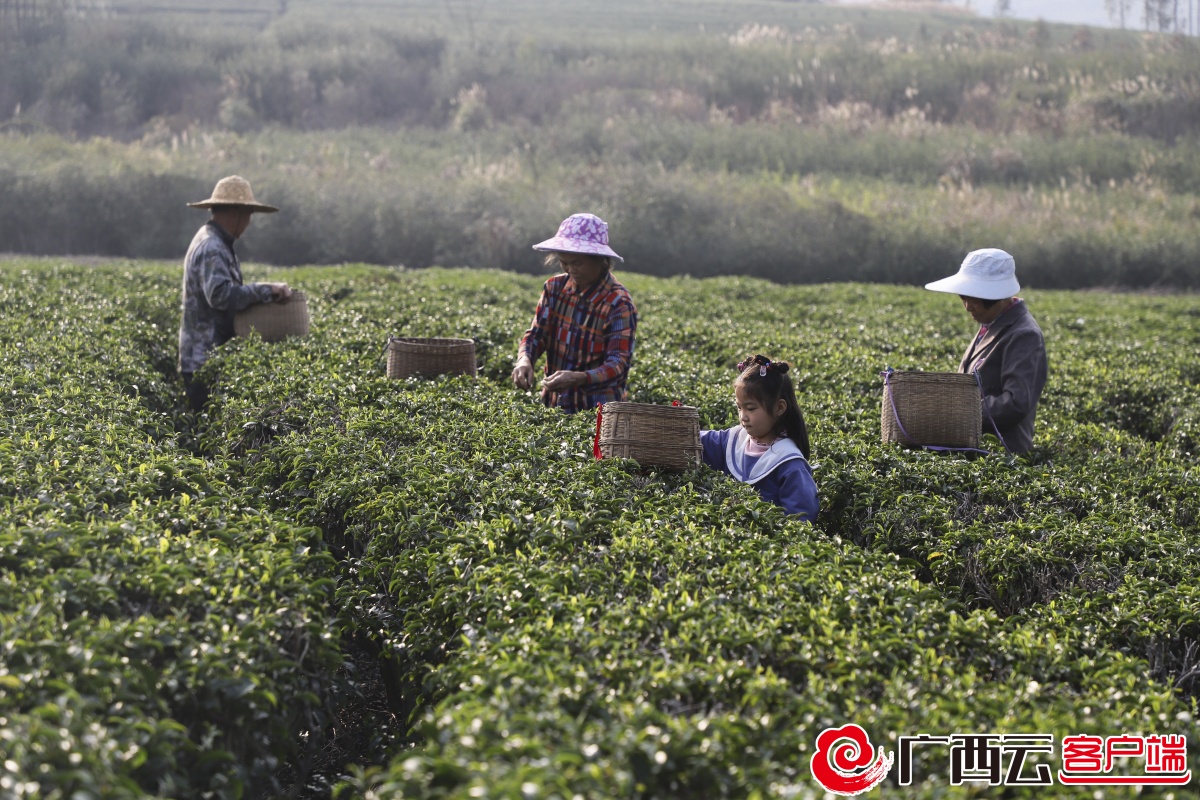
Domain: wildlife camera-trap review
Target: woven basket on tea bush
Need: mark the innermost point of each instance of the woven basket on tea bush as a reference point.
(274, 321)
(652, 435)
(408, 356)
(931, 409)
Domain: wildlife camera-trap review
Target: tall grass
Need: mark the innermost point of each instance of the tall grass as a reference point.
(376, 197)
(772, 147)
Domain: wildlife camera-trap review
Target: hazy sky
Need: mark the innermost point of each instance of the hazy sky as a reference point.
(1080, 12)
(1084, 12)
(1090, 12)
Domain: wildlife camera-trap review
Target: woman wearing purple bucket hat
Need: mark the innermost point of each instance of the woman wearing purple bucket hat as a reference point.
(584, 322)
(1008, 355)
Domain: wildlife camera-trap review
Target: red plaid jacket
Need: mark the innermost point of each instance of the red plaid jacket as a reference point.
(592, 332)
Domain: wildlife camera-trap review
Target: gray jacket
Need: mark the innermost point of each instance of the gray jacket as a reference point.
(1012, 366)
(212, 293)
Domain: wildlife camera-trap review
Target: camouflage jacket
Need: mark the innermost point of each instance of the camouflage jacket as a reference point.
(212, 293)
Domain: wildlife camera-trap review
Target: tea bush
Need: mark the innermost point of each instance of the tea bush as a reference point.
(164, 634)
(183, 593)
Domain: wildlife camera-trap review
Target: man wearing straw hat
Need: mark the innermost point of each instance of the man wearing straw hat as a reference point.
(212, 281)
(1008, 355)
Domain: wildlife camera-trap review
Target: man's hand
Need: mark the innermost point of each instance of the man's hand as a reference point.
(282, 292)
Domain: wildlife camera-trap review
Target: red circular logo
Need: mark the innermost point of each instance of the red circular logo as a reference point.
(851, 771)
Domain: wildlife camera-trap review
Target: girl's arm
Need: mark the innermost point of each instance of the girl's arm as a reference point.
(713, 444)
(798, 490)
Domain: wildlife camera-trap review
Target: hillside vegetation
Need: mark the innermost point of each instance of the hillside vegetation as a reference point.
(789, 141)
(195, 606)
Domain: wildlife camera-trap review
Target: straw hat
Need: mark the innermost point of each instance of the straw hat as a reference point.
(580, 233)
(234, 191)
(988, 274)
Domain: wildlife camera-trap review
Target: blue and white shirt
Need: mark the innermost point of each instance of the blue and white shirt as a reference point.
(781, 475)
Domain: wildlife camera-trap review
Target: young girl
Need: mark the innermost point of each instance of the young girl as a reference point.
(769, 449)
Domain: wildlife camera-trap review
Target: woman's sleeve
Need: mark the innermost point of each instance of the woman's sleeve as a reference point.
(618, 344)
(712, 444)
(798, 490)
(1023, 374)
(533, 343)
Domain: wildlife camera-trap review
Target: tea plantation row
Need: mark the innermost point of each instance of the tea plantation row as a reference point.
(181, 597)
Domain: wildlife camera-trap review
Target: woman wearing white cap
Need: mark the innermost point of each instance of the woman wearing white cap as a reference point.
(584, 322)
(212, 280)
(1008, 355)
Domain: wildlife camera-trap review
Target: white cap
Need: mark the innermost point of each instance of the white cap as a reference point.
(988, 274)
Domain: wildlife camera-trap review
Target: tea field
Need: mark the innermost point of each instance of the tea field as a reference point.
(330, 583)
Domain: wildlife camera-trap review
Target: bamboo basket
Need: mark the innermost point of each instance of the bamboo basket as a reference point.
(652, 435)
(931, 409)
(408, 356)
(274, 321)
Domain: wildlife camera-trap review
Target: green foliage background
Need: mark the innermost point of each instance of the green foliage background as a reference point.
(789, 141)
(181, 597)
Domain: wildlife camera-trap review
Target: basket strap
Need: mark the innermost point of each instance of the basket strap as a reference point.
(995, 427)
(386, 347)
(887, 381)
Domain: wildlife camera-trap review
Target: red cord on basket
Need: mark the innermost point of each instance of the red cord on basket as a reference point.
(596, 442)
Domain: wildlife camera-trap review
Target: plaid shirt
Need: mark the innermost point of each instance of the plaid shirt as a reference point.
(592, 332)
(212, 292)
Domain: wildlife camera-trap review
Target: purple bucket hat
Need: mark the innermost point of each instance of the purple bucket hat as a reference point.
(580, 233)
